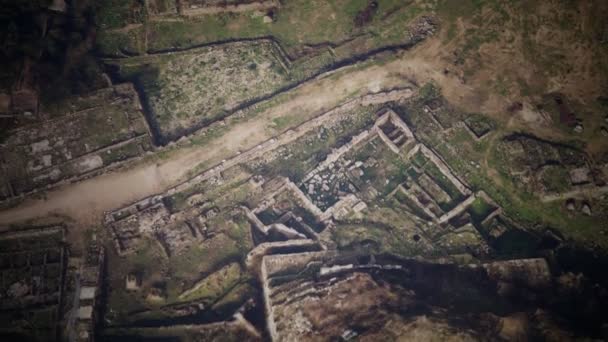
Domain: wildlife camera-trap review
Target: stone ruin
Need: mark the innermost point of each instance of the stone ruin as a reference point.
(22, 101)
(291, 222)
(393, 131)
(331, 289)
(548, 168)
(83, 136)
(32, 268)
(84, 317)
(39, 280)
(327, 194)
(152, 218)
(275, 216)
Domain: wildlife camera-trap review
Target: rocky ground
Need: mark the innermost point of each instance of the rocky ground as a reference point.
(237, 208)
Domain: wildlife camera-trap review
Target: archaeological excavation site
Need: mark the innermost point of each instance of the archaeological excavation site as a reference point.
(303, 170)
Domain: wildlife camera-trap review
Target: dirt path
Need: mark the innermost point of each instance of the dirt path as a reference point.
(86, 201)
(582, 193)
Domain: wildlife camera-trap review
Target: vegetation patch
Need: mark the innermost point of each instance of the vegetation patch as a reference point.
(112, 14)
(555, 178)
(480, 209)
(479, 124)
(217, 80)
(214, 285)
(312, 148)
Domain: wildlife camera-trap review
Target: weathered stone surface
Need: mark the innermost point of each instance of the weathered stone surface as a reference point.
(533, 273)
(82, 134)
(570, 205)
(586, 209)
(133, 282)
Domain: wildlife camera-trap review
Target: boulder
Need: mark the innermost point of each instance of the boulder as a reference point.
(570, 205)
(155, 295)
(133, 282)
(18, 290)
(586, 209)
(579, 175)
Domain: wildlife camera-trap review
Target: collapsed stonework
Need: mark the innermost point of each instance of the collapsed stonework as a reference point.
(291, 224)
(97, 131)
(84, 316)
(33, 263)
(150, 215)
(335, 294)
(550, 168)
(153, 219)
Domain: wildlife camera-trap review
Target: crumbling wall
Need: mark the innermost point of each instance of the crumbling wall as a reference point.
(82, 136)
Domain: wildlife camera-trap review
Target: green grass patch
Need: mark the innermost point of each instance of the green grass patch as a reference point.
(411, 205)
(556, 178)
(480, 209)
(480, 124)
(376, 237)
(296, 22)
(441, 180)
(114, 43)
(111, 14)
(214, 285)
(296, 159)
(286, 121)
